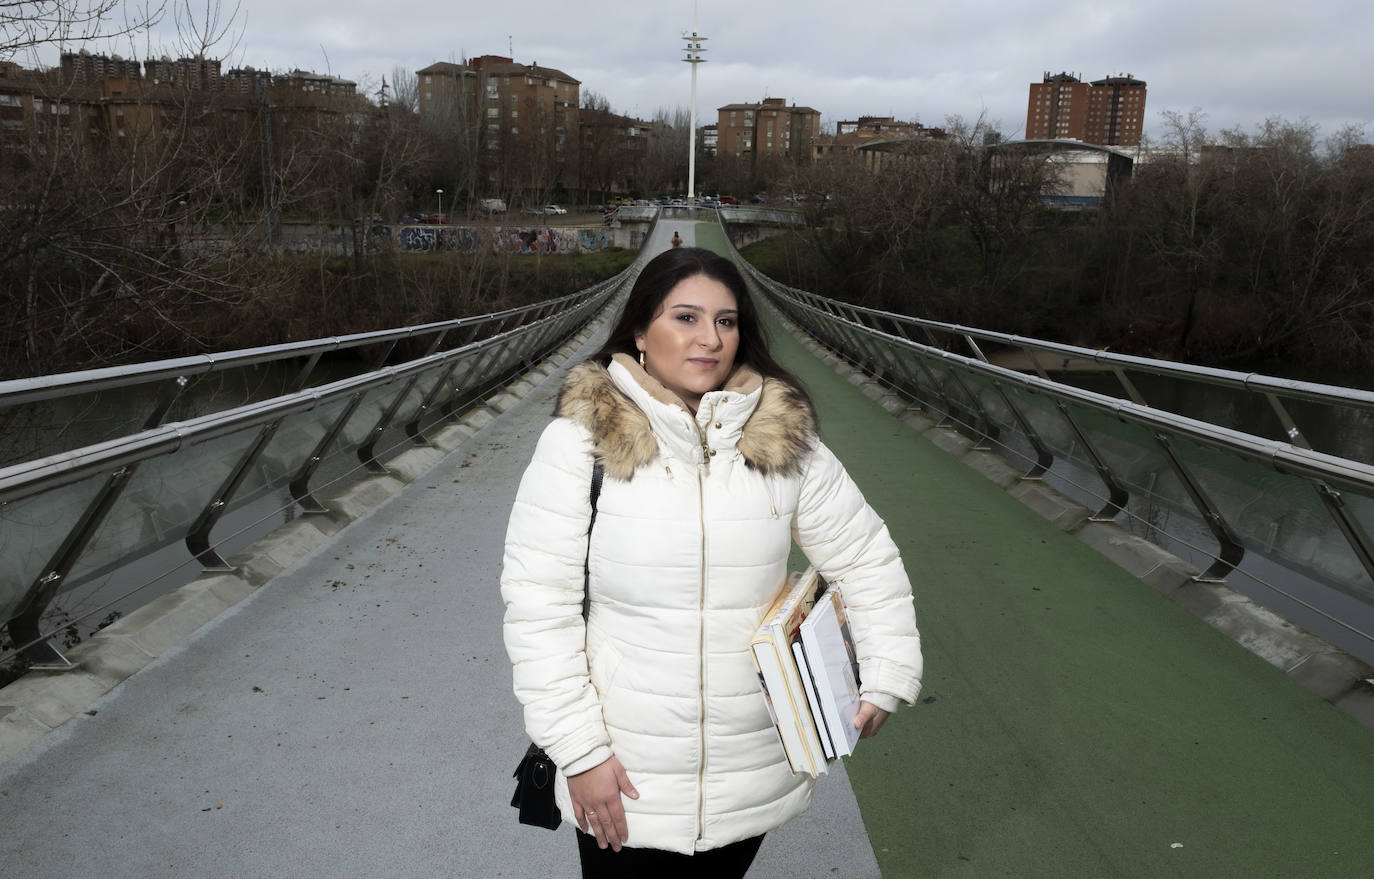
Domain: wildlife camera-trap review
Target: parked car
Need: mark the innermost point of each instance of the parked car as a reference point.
(728, 199)
(433, 219)
(554, 209)
(492, 206)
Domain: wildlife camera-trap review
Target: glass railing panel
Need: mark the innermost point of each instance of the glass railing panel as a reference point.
(50, 427)
(374, 404)
(165, 496)
(905, 373)
(1043, 415)
(288, 450)
(1160, 508)
(1277, 515)
(1361, 509)
(1335, 430)
(394, 440)
(1071, 471)
(31, 531)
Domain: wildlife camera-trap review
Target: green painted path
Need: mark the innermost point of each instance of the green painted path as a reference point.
(1074, 722)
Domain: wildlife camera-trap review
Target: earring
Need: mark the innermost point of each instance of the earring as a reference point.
(641, 358)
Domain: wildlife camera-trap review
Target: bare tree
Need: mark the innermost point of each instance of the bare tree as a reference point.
(28, 25)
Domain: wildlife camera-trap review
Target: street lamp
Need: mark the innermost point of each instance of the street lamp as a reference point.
(440, 193)
(693, 58)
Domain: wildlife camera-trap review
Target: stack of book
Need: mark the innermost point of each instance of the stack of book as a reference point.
(809, 672)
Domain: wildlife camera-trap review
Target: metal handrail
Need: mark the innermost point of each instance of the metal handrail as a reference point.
(1227, 378)
(1284, 457)
(16, 392)
(538, 328)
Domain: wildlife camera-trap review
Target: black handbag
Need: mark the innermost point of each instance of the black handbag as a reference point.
(534, 790)
(535, 773)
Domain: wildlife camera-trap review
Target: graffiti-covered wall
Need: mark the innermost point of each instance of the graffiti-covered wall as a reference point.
(742, 234)
(462, 239)
(334, 241)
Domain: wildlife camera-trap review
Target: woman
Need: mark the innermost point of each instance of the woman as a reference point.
(651, 707)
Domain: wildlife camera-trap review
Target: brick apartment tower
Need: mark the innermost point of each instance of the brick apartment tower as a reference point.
(524, 117)
(770, 128)
(1108, 112)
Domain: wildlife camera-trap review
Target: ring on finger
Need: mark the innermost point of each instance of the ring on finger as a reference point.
(590, 813)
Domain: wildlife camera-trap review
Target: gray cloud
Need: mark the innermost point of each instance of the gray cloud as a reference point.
(1239, 61)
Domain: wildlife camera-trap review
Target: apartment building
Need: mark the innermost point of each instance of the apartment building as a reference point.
(1107, 112)
(768, 128)
(524, 117)
(709, 139)
(93, 96)
(852, 134)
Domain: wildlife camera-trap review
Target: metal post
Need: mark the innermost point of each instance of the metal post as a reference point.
(693, 58)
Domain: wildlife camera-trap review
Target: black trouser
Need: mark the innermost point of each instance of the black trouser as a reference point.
(728, 862)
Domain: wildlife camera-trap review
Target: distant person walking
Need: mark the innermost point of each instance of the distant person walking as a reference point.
(677, 239)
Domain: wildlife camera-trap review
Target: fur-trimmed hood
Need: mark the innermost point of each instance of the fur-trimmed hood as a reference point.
(774, 440)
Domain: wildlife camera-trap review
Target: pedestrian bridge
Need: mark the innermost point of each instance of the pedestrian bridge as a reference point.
(1147, 620)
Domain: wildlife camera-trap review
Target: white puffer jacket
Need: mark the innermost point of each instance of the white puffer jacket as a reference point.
(693, 530)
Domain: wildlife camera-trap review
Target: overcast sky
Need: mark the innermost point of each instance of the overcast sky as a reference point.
(1240, 62)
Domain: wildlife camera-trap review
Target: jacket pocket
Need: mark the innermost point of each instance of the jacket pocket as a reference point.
(603, 661)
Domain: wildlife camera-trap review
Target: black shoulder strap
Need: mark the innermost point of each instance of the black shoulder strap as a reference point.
(598, 472)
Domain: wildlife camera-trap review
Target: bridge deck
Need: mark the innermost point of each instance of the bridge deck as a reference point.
(354, 717)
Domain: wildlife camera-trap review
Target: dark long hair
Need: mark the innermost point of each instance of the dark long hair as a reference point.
(656, 281)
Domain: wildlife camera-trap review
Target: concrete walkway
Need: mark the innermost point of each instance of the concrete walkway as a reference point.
(353, 717)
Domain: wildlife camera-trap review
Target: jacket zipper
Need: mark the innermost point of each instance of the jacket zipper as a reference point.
(701, 656)
(702, 473)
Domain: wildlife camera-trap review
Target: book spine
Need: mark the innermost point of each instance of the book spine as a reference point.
(806, 727)
(813, 701)
(775, 693)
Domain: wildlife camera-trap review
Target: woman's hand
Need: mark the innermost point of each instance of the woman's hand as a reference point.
(869, 720)
(596, 802)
